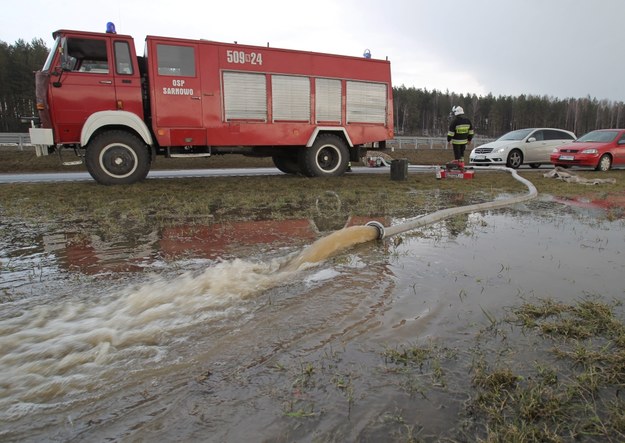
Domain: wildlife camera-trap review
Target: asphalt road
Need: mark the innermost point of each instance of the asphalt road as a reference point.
(53, 177)
(50, 177)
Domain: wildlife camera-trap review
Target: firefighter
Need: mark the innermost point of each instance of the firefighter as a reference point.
(460, 135)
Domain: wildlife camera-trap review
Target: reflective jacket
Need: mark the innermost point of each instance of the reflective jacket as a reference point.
(460, 130)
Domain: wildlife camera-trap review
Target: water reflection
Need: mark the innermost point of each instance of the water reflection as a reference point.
(459, 223)
(90, 254)
(613, 206)
(221, 240)
(30, 256)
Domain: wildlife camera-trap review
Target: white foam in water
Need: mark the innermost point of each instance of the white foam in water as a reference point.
(322, 275)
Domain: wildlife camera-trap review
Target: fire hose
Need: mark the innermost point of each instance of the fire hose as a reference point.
(442, 214)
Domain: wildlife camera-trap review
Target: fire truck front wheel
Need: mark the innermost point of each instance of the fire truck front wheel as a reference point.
(327, 157)
(117, 158)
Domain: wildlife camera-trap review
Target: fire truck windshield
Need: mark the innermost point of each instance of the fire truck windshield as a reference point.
(55, 48)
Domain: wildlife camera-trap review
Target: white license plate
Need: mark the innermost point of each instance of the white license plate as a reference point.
(480, 157)
(567, 157)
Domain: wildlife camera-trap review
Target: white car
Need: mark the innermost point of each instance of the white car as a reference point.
(531, 146)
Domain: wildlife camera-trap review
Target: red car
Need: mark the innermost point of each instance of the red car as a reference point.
(600, 149)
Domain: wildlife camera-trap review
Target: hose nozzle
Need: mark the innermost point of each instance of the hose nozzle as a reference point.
(378, 226)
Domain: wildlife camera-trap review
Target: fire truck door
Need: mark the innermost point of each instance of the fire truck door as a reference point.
(178, 93)
(84, 84)
(127, 79)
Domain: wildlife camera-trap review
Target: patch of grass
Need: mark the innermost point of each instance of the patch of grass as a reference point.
(577, 396)
(414, 355)
(428, 360)
(589, 318)
(300, 412)
(305, 382)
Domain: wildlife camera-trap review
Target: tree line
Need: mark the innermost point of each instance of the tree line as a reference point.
(18, 62)
(423, 112)
(418, 111)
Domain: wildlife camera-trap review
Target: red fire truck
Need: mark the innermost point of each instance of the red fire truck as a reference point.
(311, 112)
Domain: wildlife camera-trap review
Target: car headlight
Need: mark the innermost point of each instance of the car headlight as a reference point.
(556, 150)
(499, 151)
(590, 151)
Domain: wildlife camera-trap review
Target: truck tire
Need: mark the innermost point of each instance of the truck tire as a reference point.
(287, 163)
(117, 158)
(327, 157)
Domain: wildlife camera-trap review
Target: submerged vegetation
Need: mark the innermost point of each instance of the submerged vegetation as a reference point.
(574, 392)
(527, 378)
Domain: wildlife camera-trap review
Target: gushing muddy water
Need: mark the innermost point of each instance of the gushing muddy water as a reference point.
(283, 345)
(332, 244)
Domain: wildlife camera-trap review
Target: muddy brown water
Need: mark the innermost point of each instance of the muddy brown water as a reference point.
(240, 339)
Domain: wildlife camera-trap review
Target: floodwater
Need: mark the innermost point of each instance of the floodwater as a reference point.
(244, 332)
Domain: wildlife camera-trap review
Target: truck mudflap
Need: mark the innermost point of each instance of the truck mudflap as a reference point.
(42, 139)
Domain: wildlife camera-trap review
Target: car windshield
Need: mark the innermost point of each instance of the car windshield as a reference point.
(598, 136)
(519, 134)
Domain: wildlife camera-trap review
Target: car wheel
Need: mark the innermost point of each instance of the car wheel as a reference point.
(515, 159)
(605, 163)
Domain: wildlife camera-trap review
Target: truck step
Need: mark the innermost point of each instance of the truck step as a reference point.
(203, 154)
(73, 163)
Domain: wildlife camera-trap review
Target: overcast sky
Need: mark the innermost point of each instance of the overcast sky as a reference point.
(558, 48)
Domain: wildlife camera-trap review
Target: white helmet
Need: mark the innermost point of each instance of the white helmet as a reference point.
(457, 110)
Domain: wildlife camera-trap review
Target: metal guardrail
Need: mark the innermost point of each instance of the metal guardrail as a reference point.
(15, 139)
(405, 142)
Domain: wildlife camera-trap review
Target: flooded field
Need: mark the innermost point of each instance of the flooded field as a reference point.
(222, 333)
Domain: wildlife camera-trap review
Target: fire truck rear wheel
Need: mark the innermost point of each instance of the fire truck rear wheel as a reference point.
(286, 163)
(327, 157)
(117, 157)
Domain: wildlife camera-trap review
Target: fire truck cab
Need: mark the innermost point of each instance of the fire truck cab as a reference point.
(311, 112)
